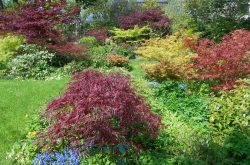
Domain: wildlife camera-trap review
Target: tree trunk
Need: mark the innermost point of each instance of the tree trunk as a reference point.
(1, 5)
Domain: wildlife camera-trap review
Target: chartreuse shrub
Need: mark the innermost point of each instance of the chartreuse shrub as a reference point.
(149, 4)
(171, 57)
(230, 118)
(88, 41)
(9, 45)
(230, 112)
(222, 64)
(100, 110)
(134, 35)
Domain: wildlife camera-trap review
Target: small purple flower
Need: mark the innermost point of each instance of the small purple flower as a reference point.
(182, 86)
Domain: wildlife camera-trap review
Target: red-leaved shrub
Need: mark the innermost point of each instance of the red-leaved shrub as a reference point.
(100, 34)
(38, 21)
(226, 62)
(155, 18)
(102, 110)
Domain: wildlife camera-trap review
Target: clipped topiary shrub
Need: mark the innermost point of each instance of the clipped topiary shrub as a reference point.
(101, 110)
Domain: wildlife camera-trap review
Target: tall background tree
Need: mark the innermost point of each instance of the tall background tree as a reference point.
(42, 22)
(215, 18)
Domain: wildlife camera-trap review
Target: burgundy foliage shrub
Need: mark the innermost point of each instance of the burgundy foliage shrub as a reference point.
(101, 109)
(38, 21)
(100, 34)
(155, 18)
(225, 62)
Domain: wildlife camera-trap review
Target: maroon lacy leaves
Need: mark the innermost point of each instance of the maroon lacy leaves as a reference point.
(101, 34)
(155, 18)
(225, 62)
(37, 21)
(101, 109)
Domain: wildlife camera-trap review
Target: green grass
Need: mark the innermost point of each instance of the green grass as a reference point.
(138, 71)
(18, 101)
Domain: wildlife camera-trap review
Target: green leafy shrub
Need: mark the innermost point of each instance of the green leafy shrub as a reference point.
(9, 45)
(229, 120)
(231, 111)
(98, 54)
(88, 41)
(149, 4)
(131, 35)
(34, 63)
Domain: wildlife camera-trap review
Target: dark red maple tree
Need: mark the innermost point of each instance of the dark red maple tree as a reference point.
(39, 22)
(99, 33)
(223, 63)
(102, 110)
(155, 18)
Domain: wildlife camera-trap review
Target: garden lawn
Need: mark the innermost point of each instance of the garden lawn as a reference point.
(19, 100)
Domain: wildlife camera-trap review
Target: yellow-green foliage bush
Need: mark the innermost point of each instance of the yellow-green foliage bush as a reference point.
(149, 4)
(231, 112)
(9, 45)
(171, 55)
(131, 35)
(88, 41)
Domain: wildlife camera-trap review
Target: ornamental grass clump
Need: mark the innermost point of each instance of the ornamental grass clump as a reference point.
(101, 110)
